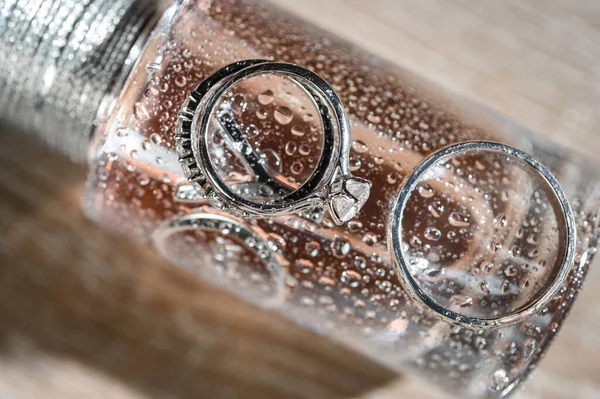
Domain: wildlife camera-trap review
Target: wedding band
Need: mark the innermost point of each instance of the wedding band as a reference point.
(428, 287)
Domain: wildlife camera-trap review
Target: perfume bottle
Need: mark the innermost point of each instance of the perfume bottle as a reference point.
(456, 259)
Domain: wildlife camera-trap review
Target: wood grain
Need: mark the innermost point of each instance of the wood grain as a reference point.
(77, 298)
(86, 313)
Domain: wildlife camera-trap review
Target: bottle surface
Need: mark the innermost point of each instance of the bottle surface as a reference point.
(341, 280)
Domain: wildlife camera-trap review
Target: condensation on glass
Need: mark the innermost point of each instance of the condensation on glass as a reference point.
(340, 280)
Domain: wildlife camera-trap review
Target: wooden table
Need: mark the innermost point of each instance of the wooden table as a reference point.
(86, 313)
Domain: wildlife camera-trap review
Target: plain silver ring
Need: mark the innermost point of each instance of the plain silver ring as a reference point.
(425, 301)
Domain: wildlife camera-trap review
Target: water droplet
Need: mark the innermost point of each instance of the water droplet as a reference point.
(297, 131)
(239, 103)
(297, 168)
(360, 262)
(385, 286)
(180, 81)
(500, 221)
(252, 130)
(266, 97)
(415, 242)
(158, 194)
(432, 234)
(532, 239)
(290, 148)
(304, 266)
(359, 146)
(515, 251)
(156, 138)
(461, 300)
(324, 280)
(484, 286)
(432, 275)
(340, 247)
(505, 287)
(283, 115)
(308, 117)
(140, 112)
(291, 281)
(530, 329)
(480, 342)
(304, 149)
(458, 219)
(276, 242)
(436, 209)
(486, 267)
(312, 248)
(143, 180)
(373, 118)
(425, 191)
(355, 165)
(154, 65)
(370, 239)
(510, 271)
(261, 113)
(151, 92)
(351, 278)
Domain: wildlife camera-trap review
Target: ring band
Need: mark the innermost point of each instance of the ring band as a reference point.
(206, 219)
(428, 302)
(331, 184)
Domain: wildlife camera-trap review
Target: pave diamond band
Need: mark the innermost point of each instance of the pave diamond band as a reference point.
(330, 185)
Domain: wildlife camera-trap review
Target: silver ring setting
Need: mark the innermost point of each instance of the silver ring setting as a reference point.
(565, 225)
(331, 185)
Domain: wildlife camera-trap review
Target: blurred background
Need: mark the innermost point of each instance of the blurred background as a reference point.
(86, 313)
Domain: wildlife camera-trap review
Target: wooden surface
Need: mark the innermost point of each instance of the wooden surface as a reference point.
(85, 313)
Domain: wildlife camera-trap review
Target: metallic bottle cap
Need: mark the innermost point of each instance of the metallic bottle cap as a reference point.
(61, 59)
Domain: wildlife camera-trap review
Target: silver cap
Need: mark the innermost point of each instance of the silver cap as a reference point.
(60, 60)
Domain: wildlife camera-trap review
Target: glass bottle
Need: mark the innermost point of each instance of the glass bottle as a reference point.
(339, 280)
